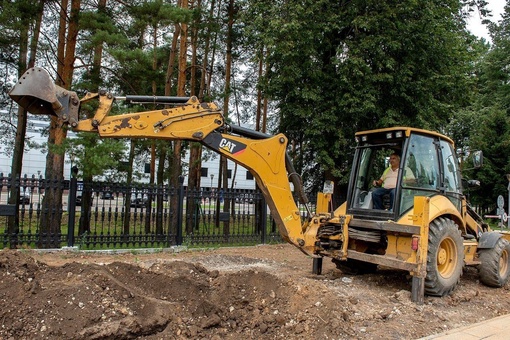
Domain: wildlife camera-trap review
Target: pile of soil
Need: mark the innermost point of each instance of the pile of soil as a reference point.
(263, 292)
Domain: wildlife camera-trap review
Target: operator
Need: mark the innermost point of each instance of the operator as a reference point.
(388, 182)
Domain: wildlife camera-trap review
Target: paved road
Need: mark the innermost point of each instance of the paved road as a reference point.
(492, 329)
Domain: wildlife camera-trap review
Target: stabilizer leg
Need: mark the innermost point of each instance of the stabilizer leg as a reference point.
(418, 290)
(317, 265)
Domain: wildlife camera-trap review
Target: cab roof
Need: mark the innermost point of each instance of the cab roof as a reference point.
(406, 130)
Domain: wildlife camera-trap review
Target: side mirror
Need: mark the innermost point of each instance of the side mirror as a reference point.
(471, 184)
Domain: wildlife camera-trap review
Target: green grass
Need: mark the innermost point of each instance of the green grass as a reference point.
(107, 233)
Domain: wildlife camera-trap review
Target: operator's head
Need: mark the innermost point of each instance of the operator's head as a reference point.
(394, 160)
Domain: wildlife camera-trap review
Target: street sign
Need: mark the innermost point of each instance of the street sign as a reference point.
(501, 202)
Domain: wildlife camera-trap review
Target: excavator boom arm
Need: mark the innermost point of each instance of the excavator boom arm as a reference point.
(263, 155)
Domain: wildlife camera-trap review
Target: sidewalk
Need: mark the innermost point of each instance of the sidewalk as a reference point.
(492, 329)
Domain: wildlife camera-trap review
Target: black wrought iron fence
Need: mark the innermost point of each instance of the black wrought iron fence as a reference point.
(103, 215)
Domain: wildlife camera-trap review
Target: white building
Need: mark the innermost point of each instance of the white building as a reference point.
(34, 163)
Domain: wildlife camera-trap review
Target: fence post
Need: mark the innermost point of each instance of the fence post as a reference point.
(180, 212)
(13, 196)
(71, 206)
(263, 219)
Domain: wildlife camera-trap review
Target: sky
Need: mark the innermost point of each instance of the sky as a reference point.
(475, 25)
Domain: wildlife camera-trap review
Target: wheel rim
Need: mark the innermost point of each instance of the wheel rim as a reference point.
(446, 257)
(503, 263)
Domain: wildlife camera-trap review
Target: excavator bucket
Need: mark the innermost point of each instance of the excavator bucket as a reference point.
(36, 93)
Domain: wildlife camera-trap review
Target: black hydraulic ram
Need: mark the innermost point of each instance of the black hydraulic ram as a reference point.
(154, 99)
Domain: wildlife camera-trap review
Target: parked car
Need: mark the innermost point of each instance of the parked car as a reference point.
(79, 195)
(246, 198)
(106, 195)
(24, 198)
(138, 198)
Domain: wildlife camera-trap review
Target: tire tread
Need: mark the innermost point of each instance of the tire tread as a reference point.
(488, 270)
(434, 284)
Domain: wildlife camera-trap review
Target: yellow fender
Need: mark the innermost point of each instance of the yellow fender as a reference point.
(439, 206)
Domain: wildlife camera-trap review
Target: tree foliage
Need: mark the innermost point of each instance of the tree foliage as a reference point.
(337, 67)
(491, 130)
(323, 68)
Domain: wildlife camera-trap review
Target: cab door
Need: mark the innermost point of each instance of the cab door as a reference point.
(422, 159)
(451, 185)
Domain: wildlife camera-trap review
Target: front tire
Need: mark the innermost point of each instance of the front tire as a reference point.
(445, 257)
(494, 269)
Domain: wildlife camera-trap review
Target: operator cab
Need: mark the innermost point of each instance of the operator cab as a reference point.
(428, 166)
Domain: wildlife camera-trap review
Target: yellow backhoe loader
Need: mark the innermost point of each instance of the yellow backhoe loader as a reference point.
(424, 227)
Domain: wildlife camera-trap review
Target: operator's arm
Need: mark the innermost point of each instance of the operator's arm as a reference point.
(379, 182)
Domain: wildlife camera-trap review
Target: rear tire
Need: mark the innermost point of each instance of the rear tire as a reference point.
(494, 269)
(355, 267)
(445, 257)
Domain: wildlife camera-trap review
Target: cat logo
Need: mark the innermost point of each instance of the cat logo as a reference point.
(227, 145)
(224, 145)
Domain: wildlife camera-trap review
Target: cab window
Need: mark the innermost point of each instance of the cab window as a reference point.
(372, 162)
(422, 159)
(451, 169)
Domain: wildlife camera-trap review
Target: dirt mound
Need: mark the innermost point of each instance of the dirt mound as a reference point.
(121, 300)
(259, 292)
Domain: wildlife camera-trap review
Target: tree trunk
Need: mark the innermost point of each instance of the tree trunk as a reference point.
(171, 61)
(148, 212)
(95, 77)
(258, 113)
(160, 175)
(194, 47)
(176, 167)
(17, 158)
(51, 222)
(203, 90)
(193, 201)
(164, 151)
(228, 73)
(213, 54)
(70, 45)
(62, 28)
(195, 155)
(127, 194)
(35, 38)
(96, 81)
